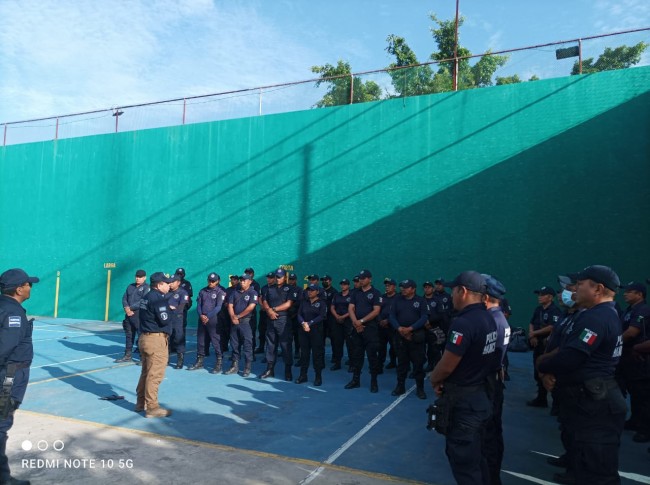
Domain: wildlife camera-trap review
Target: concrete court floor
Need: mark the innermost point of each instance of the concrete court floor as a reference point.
(227, 429)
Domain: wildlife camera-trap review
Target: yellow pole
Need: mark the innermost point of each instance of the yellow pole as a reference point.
(108, 294)
(56, 294)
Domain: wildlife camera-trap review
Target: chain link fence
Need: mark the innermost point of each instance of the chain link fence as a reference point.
(556, 59)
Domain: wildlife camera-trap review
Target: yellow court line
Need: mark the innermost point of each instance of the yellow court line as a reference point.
(232, 449)
(68, 376)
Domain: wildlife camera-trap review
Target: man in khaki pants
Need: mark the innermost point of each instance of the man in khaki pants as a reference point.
(155, 328)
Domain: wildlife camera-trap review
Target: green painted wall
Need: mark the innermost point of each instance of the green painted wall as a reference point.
(523, 181)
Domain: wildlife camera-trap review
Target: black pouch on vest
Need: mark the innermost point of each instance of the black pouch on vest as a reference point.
(596, 388)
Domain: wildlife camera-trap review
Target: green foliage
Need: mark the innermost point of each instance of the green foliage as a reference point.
(507, 80)
(410, 81)
(619, 58)
(339, 87)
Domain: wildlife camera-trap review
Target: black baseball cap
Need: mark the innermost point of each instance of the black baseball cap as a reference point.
(356, 278)
(160, 277)
(427, 283)
(270, 275)
(439, 281)
(472, 280)
(280, 273)
(246, 276)
(567, 279)
(313, 287)
(326, 278)
(365, 273)
(292, 276)
(13, 278)
(313, 277)
(214, 277)
(140, 273)
(635, 286)
(180, 271)
(407, 284)
(249, 271)
(389, 281)
(545, 290)
(600, 274)
(344, 281)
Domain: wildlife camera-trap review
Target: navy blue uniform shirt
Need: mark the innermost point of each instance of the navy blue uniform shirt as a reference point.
(473, 336)
(544, 317)
(386, 305)
(277, 295)
(155, 315)
(187, 286)
(240, 300)
(15, 332)
(364, 301)
(210, 301)
(409, 313)
(133, 296)
(503, 334)
(341, 302)
(597, 333)
(178, 299)
(311, 313)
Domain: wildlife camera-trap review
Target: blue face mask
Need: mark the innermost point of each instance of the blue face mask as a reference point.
(566, 298)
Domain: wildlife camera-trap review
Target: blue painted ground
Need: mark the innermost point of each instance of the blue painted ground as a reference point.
(73, 368)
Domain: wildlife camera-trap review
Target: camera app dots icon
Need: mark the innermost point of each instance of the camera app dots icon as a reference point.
(43, 445)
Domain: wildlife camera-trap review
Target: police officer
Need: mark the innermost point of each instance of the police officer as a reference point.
(387, 334)
(408, 314)
(178, 300)
(279, 299)
(311, 317)
(339, 309)
(364, 309)
(241, 306)
(264, 290)
(439, 302)
(155, 328)
(224, 315)
(16, 354)
(634, 368)
(591, 402)
(292, 315)
(209, 303)
(545, 316)
(328, 291)
(187, 286)
(131, 304)
(493, 438)
(256, 288)
(460, 378)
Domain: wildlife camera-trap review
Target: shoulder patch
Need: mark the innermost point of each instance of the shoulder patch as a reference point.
(370, 296)
(14, 322)
(162, 308)
(588, 336)
(456, 338)
(416, 304)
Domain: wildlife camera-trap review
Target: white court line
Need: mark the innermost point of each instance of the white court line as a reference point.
(85, 332)
(76, 360)
(529, 478)
(355, 438)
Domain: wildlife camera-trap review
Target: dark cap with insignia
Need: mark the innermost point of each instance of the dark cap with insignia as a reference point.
(389, 281)
(175, 277)
(600, 274)
(313, 287)
(407, 284)
(246, 276)
(249, 271)
(356, 278)
(160, 277)
(364, 273)
(234, 276)
(440, 281)
(270, 275)
(635, 286)
(326, 278)
(292, 276)
(495, 288)
(140, 273)
(427, 283)
(313, 277)
(545, 290)
(181, 272)
(471, 280)
(280, 273)
(13, 278)
(344, 281)
(567, 279)
(214, 277)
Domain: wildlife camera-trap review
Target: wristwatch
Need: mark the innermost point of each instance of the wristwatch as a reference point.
(361, 321)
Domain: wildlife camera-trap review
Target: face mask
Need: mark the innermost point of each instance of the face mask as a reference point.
(566, 298)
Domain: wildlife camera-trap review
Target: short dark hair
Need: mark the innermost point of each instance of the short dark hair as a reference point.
(9, 291)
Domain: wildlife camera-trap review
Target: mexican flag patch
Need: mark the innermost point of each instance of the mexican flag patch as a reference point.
(456, 338)
(588, 337)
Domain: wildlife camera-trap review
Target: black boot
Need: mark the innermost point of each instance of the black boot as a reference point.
(198, 364)
(419, 391)
(179, 361)
(374, 387)
(287, 373)
(217, 366)
(319, 379)
(302, 377)
(127, 358)
(259, 350)
(247, 370)
(391, 365)
(399, 389)
(355, 382)
(269, 372)
(234, 368)
(336, 366)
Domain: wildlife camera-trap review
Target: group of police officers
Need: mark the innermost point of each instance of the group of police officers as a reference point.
(462, 337)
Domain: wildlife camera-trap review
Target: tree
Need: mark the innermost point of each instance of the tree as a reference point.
(422, 79)
(619, 58)
(338, 92)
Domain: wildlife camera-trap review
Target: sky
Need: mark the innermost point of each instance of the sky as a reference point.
(66, 56)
